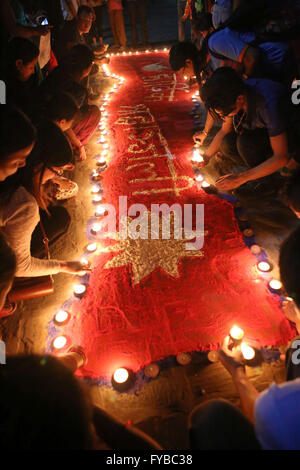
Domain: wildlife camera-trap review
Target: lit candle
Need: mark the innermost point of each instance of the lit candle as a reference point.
(97, 199)
(275, 284)
(85, 263)
(79, 290)
(236, 333)
(95, 229)
(264, 266)
(95, 175)
(121, 375)
(62, 317)
(100, 211)
(197, 158)
(59, 342)
(101, 161)
(247, 351)
(91, 248)
(95, 189)
(199, 178)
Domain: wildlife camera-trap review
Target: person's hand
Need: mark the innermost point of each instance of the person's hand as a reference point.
(43, 30)
(199, 137)
(101, 49)
(82, 154)
(74, 267)
(49, 192)
(228, 182)
(102, 60)
(232, 360)
(291, 312)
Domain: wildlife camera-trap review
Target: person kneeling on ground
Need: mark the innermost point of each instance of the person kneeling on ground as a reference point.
(69, 77)
(62, 110)
(21, 198)
(7, 269)
(259, 125)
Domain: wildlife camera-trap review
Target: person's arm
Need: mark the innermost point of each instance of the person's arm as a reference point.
(199, 137)
(247, 392)
(21, 222)
(13, 28)
(272, 164)
(215, 144)
(75, 142)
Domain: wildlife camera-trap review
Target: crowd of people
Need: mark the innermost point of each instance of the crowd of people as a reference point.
(245, 70)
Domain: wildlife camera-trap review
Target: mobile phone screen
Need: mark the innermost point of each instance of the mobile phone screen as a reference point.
(45, 22)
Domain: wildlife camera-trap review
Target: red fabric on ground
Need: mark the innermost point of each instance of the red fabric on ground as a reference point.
(120, 323)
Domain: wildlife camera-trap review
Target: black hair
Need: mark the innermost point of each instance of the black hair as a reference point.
(21, 49)
(8, 263)
(291, 191)
(221, 91)
(202, 22)
(52, 149)
(84, 9)
(16, 131)
(42, 406)
(289, 265)
(79, 58)
(181, 52)
(61, 106)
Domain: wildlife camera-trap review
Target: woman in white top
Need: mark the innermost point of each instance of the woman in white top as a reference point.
(21, 198)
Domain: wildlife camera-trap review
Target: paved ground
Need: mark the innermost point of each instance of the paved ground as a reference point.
(161, 408)
(162, 22)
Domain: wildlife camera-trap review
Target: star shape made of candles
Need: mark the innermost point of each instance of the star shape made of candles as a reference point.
(146, 254)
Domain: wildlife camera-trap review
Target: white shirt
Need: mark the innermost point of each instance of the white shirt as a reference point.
(18, 219)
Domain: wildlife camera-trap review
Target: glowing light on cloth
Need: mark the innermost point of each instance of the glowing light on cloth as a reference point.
(146, 301)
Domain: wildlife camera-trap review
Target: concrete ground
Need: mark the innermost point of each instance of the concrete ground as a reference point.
(161, 408)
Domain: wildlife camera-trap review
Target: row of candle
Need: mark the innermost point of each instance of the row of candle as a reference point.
(62, 317)
(128, 53)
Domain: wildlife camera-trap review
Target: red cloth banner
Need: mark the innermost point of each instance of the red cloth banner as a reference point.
(149, 299)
